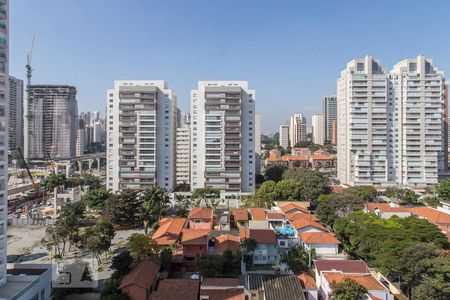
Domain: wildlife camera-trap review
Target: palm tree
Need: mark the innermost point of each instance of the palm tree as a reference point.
(154, 204)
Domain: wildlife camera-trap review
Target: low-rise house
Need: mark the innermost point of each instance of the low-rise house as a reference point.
(276, 286)
(376, 290)
(301, 151)
(222, 289)
(223, 219)
(308, 225)
(323, 162)
(295, 216)
(227, 242)
(310, 289)
(275, 218)
(266, 252)
(325, 243)
(257, 213)
(292, 207)
(168, 232)
(287, 236)
(239, 217)
(201, 218)
(387, 210)
(296, 161)
(141, 281)
(438, 218)
(342, 265)
(176, 289)
(194, 243)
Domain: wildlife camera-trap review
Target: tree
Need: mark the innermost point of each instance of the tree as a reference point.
(297, 259)
(120, 264)
(52, 181)
(91, 181)
(437, 288)
(348, 289)
(264, 196)
(366, 192)
(95, 199)
(326, 210)
(230, 264)
(121, 210)
(443, 189)
(110, 291)
(274, 172)
(182, 206)
(288, 189)
(209, 196)
(154, 203)
(97, 239)
(408, 197)
(431, 200)
(208, 265)
(165, 257)
(141, 246)
(303, 144)
(312, 182)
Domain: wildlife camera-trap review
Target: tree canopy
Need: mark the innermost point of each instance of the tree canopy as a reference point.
(348, 289)
(313, 183)
(122, 208)
(274, 172)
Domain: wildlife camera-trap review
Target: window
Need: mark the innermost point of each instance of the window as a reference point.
(197, 221)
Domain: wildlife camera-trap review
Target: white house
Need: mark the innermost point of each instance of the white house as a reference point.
(325, 243)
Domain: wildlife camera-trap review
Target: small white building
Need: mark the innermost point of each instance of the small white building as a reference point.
(324, 243)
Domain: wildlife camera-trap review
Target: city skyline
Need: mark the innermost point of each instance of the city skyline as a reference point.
(186, 52)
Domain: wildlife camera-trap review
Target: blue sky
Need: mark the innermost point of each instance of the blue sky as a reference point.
(291, 52)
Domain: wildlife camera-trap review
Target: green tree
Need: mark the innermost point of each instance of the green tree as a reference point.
(297, 259)
(264, 196)
(91, 181)
(165, 257)
(97, 239)
(120, 264)
(313, 183)
(52, 181)
(95, 199)
(208, 265)
(230, 264)
(182, 206)
(408, 197)
(141, 247)
(348, 289)
(121, 210)
(288, 189)
(208, 195)
(154, 203)
(274, 172)
(443, 189)
(326, 210)
(366, 192)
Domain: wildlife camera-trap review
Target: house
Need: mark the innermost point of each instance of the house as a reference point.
(293, 207)
(275, 218)
(271, 285)
(257, 213)
(323, 162)
(387, 210)
(239, 217)
(194, 243)
(296, 161)
(438, 218)
(139, 283)
(222, 289)
(266, 251)
(301, 151)
(176, 289)
(168, 232)
(308, 225)
(223, 219)
(325, 243)
(287, 236)
(375, 289)
(227, 242)
(201, 218)
(342, 265)
(295, 216)
(310, 289)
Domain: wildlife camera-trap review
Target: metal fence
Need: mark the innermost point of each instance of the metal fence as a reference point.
(30, 221)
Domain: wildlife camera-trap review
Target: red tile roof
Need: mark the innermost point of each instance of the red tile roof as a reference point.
(290, 207)
(201, 213)
(322, 157)
(307, 281)
(222, 282)
(295, 157)
(302, 223)
(227, 242)
(142, 275)
(343, 265)
(272, 215)
(174, 289)
(258, 213)
(168, 231)
(433, 215)
(240, 214)
(261, 236)
(366, 280)
(194, 236)
(319, 238)
(224, 294)
(385, 207)
(300, 149)
(298, 215)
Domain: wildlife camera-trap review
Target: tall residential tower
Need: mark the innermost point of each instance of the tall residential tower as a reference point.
(297, 129)
(15, 122)
(329, 111)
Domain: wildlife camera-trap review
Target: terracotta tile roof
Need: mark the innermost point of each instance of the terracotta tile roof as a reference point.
(261, 236)
(194, 236)
(287, 208)
(222, 282)
(258, 213)
(320, 151)
(319, 238)
(433, 215)
(295, 157)
(142, 275)
(227, 242)
(176, 289)
(224, 294)
(366, 280)
(273, 215)
(337, 189)
(298, 215)
(240, 214)
(201, 213)
(343, 265)
(168, 231)
(307, 281)
(300, 149)
(372, 297)
(322, 157)
(385, 207)
(302, 223)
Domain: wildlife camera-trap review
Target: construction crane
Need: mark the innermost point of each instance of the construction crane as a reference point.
(28, 66)
(36, 187)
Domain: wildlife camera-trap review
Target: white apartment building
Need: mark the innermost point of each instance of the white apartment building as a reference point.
(390, 126)
(329, 110)
(223, 136)
(15, 122)
(141, 133)
(258, 133)
(4, 82)
(183, 155)
(318, 127)
(81, 138)
(284, 136)
(297, 129)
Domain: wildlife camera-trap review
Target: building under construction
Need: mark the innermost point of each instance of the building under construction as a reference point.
(51, 119)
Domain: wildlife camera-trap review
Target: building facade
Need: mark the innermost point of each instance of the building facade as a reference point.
(15, 122)
(183, 156)
(329, 110)
(284, 136)
(4, 62)
(81, 138)
(391, 126)
(318, 126)
(297, 129)
(141, 133)
(223, 136)
(258, 133)
(52, 122)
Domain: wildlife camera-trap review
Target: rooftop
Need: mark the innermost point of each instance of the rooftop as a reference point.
(227, 242)
(194, 236)
(302, 223)
(176, 289)
(386, 207)
(292, 206)
(276, 286)
(201, 213)
(307, 281)
(261, 236)
(366, 280)
(343, 265)
(258, 213)
(168, 231)
(299, 215)
(433, 215)
(240, 214)
(319, 238)
(222, 282)
(142, 275)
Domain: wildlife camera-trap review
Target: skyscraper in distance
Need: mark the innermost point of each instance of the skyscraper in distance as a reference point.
(297, 129)
(318, 126)
(258, 133)
(15, 121)
(283, 136)
(329, 111)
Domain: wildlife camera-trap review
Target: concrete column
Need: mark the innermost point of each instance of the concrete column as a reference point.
(99, 160)
(80, 165)
(68, 169)
(91, 161)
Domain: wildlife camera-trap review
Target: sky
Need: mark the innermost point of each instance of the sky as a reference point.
(290, 51)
